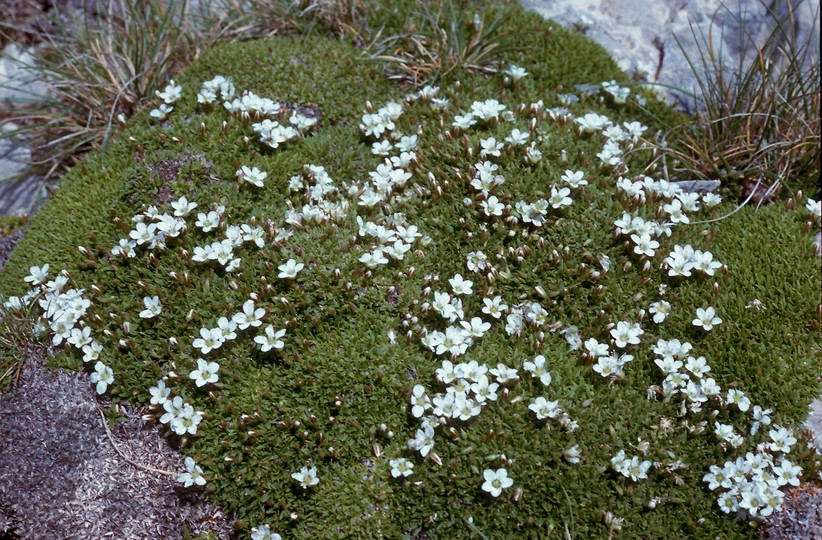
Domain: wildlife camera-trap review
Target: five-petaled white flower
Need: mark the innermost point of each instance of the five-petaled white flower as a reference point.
(102, 376)
(290, 269)
(706, 318)
(159, 393)
(37, 275)
(271, 339)
(496, 481)
(205, 373)
(210, 339)
(544, 408)
(307, 477)
(420, 402)
(538, 370)
(249, 316)
(193, 474)
(401, 467)
(461, 286)
(252, 175)
(153, 307)
(660, 310)
(263, 532)
(626, 333)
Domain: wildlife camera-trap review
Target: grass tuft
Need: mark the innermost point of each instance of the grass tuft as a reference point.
(756, 127)
(99, 70)
(441, 39)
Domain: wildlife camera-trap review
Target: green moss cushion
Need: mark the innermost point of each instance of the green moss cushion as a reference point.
(334, 394)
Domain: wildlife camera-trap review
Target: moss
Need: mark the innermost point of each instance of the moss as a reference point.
(322, 399)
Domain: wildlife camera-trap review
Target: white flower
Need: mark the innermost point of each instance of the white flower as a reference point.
(487, 110)
(711, 199)
(504, 374)
(626, 333)
(161, 112)
(787, 473)
(401, 467)
(153, 307)
(592, 122)
(533, 154)
(544, 408)
(496, 481)
(208, 222)
(423, 441)
(595, 348)
(492, 207)
(538, 369)
(102, 376)
(186, 421)
(249, 316)
(814, 207)
(517, 137)
(634, 129)
(490, 147)
(37, 275)
(263, 532)
(290, 269)
(271, 339)
(159, 393)
(170, 93)
(182, 207)
(476, 328)
(706, 318)
(464, 121)
(761, 417)
(381, 148)
(219, 84)
(782, 440)
(704, 262)
(205, 373)
(210, 339)
(660, 310)
(635, 469)
(484, 390)
(461, 286)
(560, 197)
(173, 408)
(476, 261)
(574, 179)
(193, 474)
(252, 175)
(420, 401)
(515, 72)
(494, 307)
(645, 245)
(307, 477)
(738, 398)
(698, 366)
(572, 454)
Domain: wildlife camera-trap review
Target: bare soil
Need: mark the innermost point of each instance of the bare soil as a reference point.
(64, 475)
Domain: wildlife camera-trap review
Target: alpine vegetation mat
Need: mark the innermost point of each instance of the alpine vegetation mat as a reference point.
(456, 310)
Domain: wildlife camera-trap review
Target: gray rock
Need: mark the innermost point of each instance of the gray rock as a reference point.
(19, 84)
(698, 186)
(654, 40)
(20, 193)
(814, 423)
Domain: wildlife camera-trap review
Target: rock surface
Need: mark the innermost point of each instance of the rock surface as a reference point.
(60, 476)
(644, 36)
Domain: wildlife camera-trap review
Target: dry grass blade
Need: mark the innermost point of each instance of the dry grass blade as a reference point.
(242, 19)
(98, 69)
(757, 124)
(17, 337)
(442, 42)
